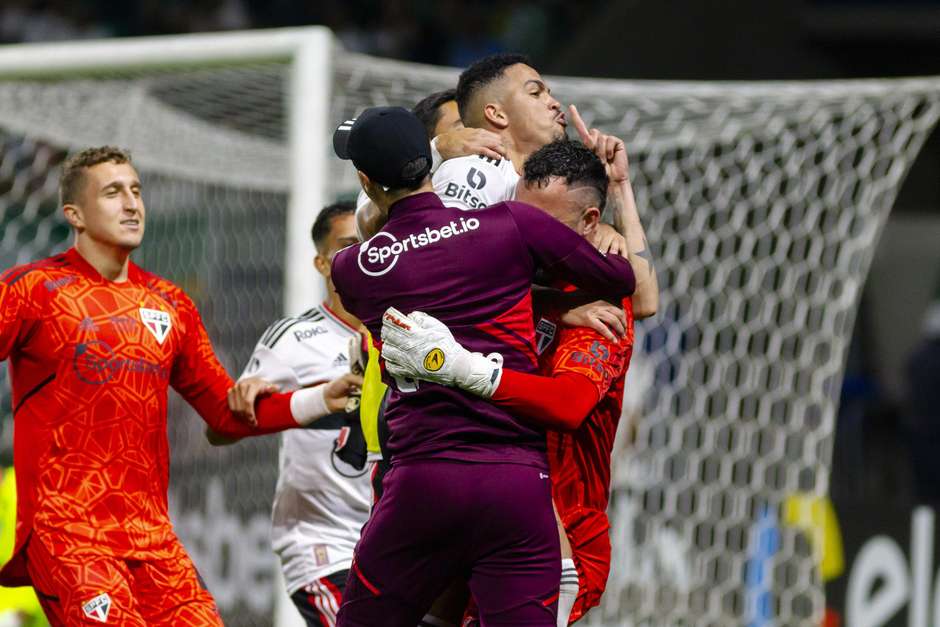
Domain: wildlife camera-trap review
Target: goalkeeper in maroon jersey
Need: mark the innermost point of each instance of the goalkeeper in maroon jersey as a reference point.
(93, 343)
(579, 392)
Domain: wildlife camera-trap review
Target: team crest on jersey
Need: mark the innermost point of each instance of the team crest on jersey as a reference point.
(544, 334)
(157, 322)
(98, 608)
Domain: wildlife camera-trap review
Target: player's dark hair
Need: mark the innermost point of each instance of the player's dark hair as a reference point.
(571, 160)
(429, 109)
(73, 170)
(324, 223)
(481, 74)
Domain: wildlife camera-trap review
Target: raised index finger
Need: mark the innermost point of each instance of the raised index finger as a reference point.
(579, 125)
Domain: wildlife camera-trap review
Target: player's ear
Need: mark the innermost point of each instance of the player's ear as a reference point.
(322, 264)
(73, 215)
(495, 115)
(367, 185)
(590, 218)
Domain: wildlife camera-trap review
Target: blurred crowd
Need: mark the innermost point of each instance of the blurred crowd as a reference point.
(447, 32)
(886, 446)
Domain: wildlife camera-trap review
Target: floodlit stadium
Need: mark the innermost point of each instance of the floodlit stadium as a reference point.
(773, 465)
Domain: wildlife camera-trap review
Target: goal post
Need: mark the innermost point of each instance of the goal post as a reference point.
(306, 51)
(763, 203)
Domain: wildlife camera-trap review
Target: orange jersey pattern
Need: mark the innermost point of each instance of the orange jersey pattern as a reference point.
(90, 363)
(580, 460)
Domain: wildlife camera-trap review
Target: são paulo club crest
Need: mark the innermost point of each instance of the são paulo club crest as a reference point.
(544, 335)
(157, 322)
(98, 608)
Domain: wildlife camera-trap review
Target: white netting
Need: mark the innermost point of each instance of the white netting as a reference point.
(762, 204)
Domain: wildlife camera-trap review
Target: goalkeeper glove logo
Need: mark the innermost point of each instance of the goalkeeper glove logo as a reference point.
(434, 360)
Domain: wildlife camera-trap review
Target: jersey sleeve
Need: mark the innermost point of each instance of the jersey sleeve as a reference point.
(565, 255)
(561, 401)
(200, 379)
(474, 182)
(14, 318)
(583, 368)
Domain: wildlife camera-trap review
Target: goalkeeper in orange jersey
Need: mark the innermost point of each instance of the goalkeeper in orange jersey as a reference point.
(94, 341)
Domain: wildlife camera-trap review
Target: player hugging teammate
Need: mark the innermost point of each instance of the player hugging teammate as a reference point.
(504, 397)
(583, 351)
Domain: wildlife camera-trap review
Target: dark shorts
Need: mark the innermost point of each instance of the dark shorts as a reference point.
(490, 524)
(318, 602)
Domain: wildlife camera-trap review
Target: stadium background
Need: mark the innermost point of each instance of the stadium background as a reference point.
(221, 497)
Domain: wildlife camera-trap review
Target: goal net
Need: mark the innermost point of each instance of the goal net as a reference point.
(762, 203)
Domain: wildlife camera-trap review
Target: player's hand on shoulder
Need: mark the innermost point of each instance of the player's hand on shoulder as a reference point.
(609, 241)
(610, 149)
(242, 396)
(461, 142)
(608, 320)
(337, 392)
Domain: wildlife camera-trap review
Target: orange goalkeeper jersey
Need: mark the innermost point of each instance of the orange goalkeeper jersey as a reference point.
(90, 362)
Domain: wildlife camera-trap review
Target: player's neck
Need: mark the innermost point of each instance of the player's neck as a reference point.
(110, 262)
(516, 152)
(335, 304)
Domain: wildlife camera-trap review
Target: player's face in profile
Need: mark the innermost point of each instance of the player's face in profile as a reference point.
(534, 114)
(111, 205)
(556, 199)
(450, 118)
(342, 234)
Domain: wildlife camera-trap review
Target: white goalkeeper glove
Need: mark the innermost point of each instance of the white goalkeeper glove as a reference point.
(419, 346)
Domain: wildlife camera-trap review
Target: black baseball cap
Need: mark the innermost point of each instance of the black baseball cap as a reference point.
(389, 144)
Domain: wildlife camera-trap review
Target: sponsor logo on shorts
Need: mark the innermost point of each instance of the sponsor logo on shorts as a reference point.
(98, 608)
(157, 322)
(378, 255)
(434, 360)
(542, 475)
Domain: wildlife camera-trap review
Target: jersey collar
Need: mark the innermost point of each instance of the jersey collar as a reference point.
(134, 273)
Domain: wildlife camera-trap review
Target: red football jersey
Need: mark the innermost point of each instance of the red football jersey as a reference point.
(90, 363)
(580, 460)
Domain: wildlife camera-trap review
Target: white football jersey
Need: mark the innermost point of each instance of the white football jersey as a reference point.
(475, 181)
(321, 503)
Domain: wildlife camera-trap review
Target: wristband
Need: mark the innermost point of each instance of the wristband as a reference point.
(308, 404)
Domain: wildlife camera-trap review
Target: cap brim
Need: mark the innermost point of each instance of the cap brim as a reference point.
(341, 139)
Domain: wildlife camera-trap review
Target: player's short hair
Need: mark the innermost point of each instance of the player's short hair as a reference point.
(429, 109)
(571, 160)
(324, 223)
(73, 170)
(481, 74)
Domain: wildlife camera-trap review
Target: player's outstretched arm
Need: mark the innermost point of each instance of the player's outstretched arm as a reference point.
(620, 199)
(200, 379)
(419, 346)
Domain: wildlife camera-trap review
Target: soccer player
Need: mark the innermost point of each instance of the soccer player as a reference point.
(438, 112)
(467, 495)
(321, 502)
(94, 341)
(580, 392)
(505, 96)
